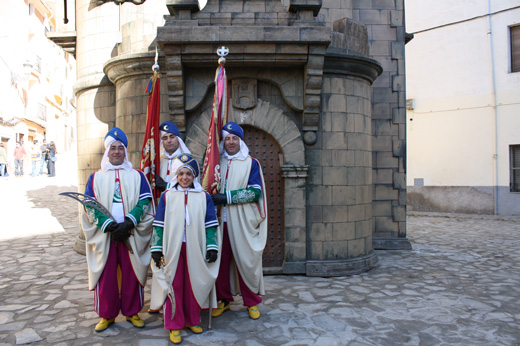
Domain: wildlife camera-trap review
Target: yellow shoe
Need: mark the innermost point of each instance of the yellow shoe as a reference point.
(103, 324)
(175, 336)
(136, 321)
(254, 313)
(221, 307)
(195, 329)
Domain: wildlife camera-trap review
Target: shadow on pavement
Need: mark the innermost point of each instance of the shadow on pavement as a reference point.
(64, 209)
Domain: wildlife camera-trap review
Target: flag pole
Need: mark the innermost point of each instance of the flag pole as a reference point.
(150, 152)
(211, 169)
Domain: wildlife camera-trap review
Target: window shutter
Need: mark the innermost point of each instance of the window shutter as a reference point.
(515, 168)
(515, 48)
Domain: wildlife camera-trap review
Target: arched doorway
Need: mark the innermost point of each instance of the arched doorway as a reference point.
(264, 147)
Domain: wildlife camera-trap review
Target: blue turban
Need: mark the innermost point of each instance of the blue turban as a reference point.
(117, 134)
(233, 128)
(189, 161)
(169, 127)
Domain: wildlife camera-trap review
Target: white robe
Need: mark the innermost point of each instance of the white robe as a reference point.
(98, 242)
(202, 274)
(247, 226)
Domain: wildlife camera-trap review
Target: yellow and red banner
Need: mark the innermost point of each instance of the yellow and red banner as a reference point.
(151, 151)
(210, 179)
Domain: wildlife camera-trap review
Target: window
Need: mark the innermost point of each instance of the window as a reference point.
(514, 164)
(515, 48)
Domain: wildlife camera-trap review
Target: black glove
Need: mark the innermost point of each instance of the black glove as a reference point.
(160, 184)
(156, 256)
(111, 227)
(219, 198)
(211, 256)
(128, 224)
(122, 232)
(119, 234)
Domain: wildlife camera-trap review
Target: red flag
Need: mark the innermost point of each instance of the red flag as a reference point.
(150, 153)
(210, 180)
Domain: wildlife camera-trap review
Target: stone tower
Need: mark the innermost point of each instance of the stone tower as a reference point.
(317, 86)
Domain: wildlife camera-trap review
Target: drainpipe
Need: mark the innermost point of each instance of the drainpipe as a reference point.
(495, 110)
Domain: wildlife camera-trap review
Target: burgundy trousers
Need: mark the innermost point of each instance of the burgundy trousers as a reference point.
(108, 299)
(223, 283)
(187, 310)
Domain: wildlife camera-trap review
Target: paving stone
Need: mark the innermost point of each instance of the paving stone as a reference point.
(6, 317)
(459, 285)
(27, 336)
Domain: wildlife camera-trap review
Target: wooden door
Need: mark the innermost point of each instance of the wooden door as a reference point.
(264, 147)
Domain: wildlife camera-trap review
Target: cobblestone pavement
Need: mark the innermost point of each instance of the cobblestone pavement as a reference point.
(460, 285)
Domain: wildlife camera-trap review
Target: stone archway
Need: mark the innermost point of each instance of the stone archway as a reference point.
(272, 120)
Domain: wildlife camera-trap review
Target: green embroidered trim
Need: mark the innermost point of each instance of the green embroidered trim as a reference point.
(157, 237)
(141, 209)
(211, 238)
(91, 213)
(244, 196)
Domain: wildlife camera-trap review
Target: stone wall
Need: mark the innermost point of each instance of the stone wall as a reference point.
(384, 20)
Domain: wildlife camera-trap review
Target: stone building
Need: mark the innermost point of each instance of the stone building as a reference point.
(318, 87)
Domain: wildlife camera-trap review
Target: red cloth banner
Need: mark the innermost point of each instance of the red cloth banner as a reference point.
(210, 179)
(151, 151)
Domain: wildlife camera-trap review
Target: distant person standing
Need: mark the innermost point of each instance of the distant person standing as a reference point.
(43, 158)
(3, 160)
(19, 153)
(35, 157)
(52, 159)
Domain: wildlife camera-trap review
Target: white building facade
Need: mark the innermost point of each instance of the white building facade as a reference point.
(36, 79)
(463, 106)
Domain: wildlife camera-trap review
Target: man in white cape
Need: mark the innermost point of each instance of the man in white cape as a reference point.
(118, 246)
(243, 222)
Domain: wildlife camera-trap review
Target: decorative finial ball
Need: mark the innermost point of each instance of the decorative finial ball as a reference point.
(222, 51)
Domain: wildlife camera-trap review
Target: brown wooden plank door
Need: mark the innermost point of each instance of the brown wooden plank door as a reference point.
(266, 149)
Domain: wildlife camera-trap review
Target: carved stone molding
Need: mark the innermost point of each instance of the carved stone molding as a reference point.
(244, 93)
(338, 61)
(286, 47)
(182, 9)
(129, 66)
(296, 6)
